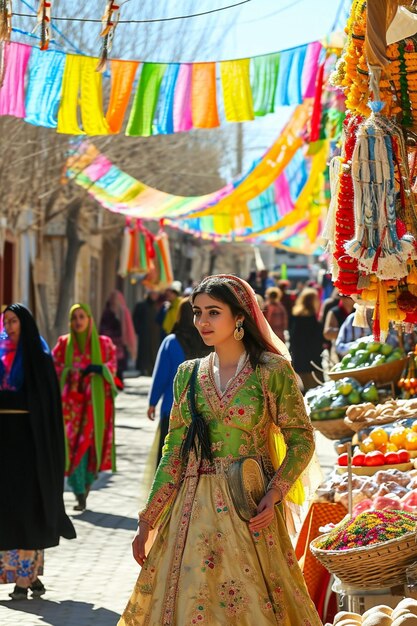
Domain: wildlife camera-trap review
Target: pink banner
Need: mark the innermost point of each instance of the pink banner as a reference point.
(310, 69)
(12, 92)
(183, 119)
(98, 168)
(283, 195)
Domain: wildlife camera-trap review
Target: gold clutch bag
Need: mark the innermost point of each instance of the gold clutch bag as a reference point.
(247, 486)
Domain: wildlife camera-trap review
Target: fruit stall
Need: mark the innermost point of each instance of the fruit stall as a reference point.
(368, 411)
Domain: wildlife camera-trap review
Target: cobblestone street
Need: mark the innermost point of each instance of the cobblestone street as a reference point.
(89, 579)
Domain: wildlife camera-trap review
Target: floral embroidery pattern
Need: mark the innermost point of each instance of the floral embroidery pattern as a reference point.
(221, 506)
(211, 549)
(232, 598)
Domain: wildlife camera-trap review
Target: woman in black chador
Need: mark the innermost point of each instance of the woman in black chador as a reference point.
(32, 459)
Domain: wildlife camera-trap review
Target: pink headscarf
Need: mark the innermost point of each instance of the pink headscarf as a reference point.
(247, 298)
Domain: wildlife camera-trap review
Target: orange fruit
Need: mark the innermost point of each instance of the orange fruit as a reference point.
(411, 441)
(379, 436)
(367, 445)
(414, 426)
(391, 447)
(397, 437)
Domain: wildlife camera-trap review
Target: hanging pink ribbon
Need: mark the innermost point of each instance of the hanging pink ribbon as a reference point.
(183, 119)
(310, 69)
(12, 91)
(283, 195)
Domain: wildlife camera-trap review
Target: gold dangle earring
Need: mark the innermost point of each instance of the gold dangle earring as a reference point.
(239, 331)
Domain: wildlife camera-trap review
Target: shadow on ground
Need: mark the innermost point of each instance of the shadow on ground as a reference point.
(65, 613)
(107, 520)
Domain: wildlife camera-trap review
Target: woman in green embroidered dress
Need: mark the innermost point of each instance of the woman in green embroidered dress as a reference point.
(207, 565)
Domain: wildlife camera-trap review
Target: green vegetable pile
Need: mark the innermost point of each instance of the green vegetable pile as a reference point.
(368, 353)
(330, 400)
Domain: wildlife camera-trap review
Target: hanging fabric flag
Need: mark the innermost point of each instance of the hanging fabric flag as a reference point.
(80, 77)
(163, 257)
(264, 84)
(44, 87)
(182, 100)
(164, 117)
(44, 22)
(12, 90)
(109, 22)
(5, 19)
(203, 96)
(144, 105)
(124, 252)
(289, 90)
(310, 69)
(237, 94)
(122, 77)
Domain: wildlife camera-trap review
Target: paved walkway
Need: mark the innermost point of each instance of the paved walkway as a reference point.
(89, 579)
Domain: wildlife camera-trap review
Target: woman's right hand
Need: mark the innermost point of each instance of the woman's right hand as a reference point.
(139, 542)
(151, 413)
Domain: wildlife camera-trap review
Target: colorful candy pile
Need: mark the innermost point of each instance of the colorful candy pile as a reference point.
(367, 529)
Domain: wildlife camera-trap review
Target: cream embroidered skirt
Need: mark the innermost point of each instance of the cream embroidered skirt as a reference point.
(206, 567)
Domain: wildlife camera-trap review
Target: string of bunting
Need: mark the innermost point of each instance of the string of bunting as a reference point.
(66, 92)
(282, 202)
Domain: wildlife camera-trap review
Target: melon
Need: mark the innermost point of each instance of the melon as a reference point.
(397, 612)
(377, 618)
(408, 603)
(382, 608)
(346, 615)
(405, 620)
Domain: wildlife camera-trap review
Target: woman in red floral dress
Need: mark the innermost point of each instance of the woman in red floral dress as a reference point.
(86, 365)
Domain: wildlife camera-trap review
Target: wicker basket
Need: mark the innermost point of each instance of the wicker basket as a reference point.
(373, 567)
(380, 374)
(333, 429)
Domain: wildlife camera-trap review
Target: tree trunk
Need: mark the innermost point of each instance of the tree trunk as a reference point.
(66, 285)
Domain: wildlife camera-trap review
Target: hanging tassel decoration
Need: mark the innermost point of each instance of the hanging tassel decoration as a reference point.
(44, 22)
(376, 244)
(109, 22)
(5, 19)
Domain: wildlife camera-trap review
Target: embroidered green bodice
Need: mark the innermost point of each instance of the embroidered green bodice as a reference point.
(239, 423)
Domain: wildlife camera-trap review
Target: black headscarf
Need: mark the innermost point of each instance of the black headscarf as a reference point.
(47, 425)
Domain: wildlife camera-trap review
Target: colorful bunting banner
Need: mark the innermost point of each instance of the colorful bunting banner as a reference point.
(279, 204)
(228, 206)
(65, 91)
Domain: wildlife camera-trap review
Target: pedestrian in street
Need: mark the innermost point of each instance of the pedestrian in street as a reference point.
(148, 332)
(86, 365)
(213, 561)
(306, 336)
(116, 322)
(335, 317)
(275, 312)
(173, 297)
(183, 343)
(32, 454)
(287, 299)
